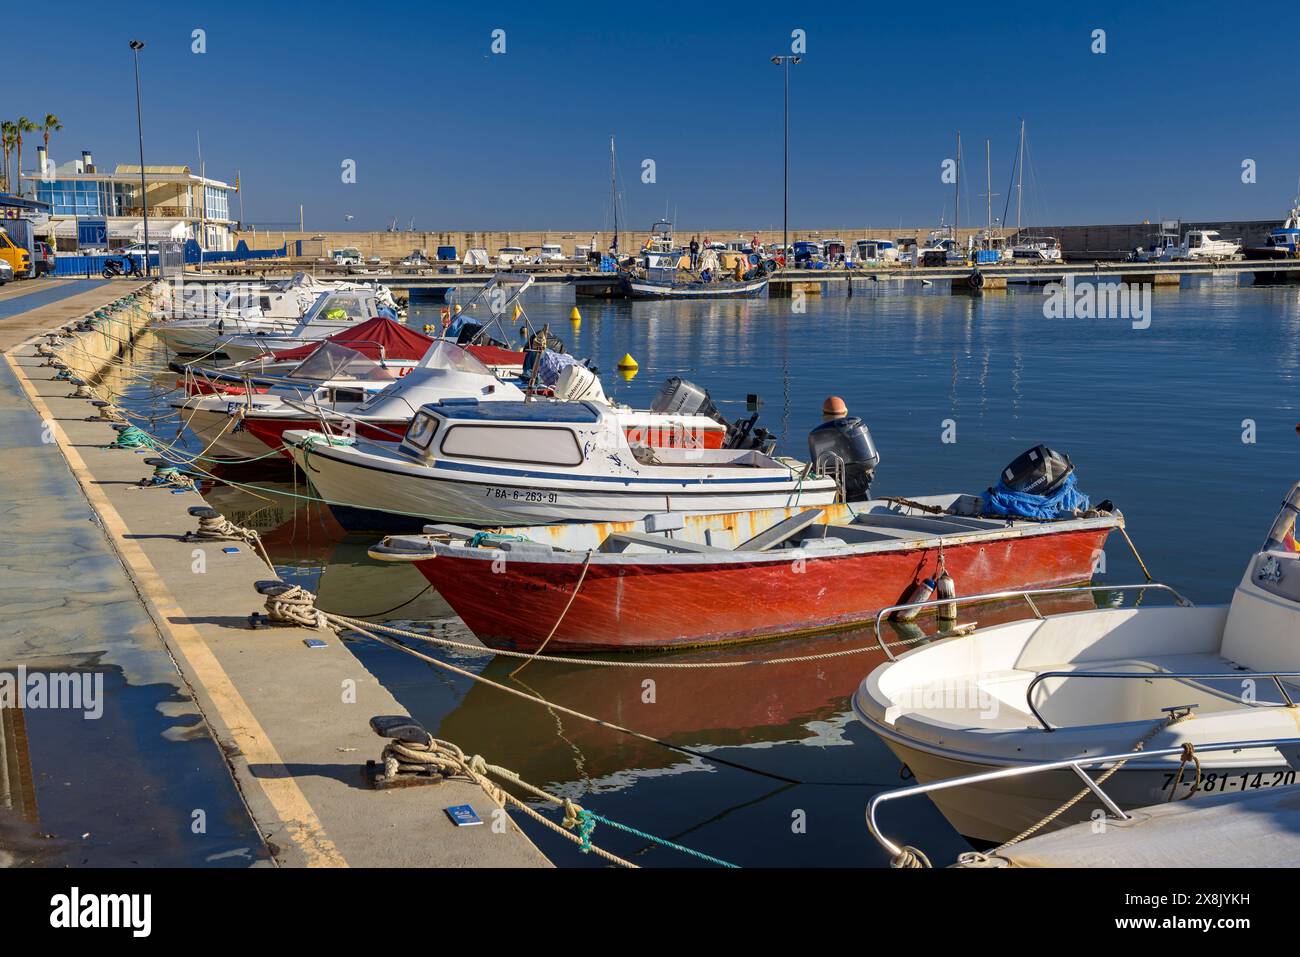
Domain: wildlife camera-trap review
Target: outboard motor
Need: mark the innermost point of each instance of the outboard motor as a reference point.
(1039, 471)
(679, 397)
(848, 440)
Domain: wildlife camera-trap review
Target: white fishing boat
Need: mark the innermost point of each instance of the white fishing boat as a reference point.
(1102, 682)
(538, 462)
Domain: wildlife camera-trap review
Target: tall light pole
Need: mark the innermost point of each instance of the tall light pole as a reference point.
(785, 206)
(136, 47)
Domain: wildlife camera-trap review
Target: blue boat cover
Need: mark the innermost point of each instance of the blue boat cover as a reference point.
(1004, 501)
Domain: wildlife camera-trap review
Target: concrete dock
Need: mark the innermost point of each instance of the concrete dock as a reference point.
(96, 574)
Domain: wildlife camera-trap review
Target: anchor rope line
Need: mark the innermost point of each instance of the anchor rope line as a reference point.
(295, 605)
(567, 605)
(450, 761)
(444, 754)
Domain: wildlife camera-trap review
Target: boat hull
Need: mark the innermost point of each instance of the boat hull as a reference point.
(646, 606)
(721, 289)
(996, 811)
(377, 493)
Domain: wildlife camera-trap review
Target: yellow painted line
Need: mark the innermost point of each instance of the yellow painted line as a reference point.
(280, 788)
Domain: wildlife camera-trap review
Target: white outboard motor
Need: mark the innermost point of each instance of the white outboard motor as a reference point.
(849, 440)
(579, 383)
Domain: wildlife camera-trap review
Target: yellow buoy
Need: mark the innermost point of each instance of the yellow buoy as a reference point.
(575, 315)
(627, 363)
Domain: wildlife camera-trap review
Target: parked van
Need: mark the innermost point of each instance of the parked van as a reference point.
(18, 258)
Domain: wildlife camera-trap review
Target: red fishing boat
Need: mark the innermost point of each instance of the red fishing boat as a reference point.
(675, 580)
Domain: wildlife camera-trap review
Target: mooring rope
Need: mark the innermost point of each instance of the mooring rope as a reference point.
(221, 529)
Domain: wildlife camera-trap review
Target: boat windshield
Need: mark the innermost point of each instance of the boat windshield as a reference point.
(451, 357)
(1282, 537)
(332, 361)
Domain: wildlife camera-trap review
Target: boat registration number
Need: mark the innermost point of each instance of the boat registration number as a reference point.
(523, 495)
(1245, 781)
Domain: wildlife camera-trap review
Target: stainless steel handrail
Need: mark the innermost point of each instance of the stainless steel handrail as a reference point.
(1026, 594)
(1075, 764)
(1277, 677)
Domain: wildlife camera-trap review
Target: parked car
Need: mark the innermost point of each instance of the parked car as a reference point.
(6, 271)
(347, 256)
(42, 259)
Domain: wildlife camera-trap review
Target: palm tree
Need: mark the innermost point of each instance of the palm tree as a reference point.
(51, 125)
(8, 132)
(24, 125)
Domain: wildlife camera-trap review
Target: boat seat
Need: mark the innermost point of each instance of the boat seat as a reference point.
(620, 541)
(781, 531)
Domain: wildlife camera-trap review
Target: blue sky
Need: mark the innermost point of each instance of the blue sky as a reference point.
(447, 133)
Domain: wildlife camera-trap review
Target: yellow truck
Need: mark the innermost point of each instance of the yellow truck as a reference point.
(14, 255)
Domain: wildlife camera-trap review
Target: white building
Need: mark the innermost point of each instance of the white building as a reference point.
(182, 205)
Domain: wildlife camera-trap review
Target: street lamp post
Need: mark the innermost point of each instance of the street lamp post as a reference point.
(785, 206)
(136, 47)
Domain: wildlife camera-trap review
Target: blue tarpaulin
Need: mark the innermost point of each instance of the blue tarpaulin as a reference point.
(1060, 504)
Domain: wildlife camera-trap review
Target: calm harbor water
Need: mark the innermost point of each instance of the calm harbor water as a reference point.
(1153, 418)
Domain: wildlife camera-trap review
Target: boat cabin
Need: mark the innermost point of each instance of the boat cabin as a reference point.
(876, 251)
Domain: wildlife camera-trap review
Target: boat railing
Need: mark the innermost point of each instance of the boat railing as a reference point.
(1077, 765)
(1027, 594)
(1275, 676)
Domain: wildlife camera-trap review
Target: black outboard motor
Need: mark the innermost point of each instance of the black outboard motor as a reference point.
(1039, 471)
(849, 440)
(680, 397)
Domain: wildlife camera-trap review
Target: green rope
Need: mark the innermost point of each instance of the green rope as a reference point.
(131, 438)
(587, 823)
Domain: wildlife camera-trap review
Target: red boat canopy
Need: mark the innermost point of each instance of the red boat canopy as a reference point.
(377, 338)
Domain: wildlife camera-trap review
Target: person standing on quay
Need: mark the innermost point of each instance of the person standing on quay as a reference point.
(695, 253)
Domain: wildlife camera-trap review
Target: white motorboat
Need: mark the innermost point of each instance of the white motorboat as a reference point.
(247, 334)
(1208, 244)
(343, 392)
(1106, 681)
(340, 386)
(1037, 249)
(539, 462)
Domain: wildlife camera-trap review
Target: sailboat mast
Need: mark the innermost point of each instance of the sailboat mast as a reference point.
(613, 190)
(988, 179)
(956, 213)
(1020, 175)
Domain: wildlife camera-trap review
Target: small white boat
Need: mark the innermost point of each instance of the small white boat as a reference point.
(1208, 244)
(320, 312)
(1113, 680)
(331, 313)
(1037, 249)
(540, 462)
(340, 386)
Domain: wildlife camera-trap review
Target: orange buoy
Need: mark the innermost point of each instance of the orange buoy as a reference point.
(834, 408)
